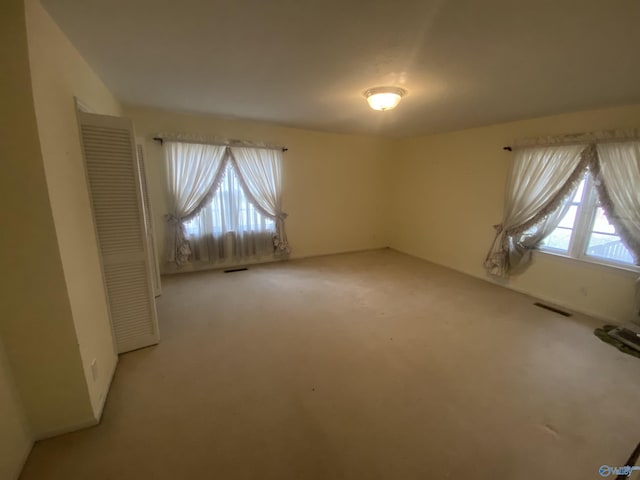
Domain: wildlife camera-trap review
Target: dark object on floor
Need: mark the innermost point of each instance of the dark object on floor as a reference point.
(628, 334)
(603, 334)
(552, 309)
(231, 270)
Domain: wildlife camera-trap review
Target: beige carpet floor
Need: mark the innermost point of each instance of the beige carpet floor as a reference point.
(372, 365)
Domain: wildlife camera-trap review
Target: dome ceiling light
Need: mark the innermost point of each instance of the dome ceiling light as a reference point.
(384, 98)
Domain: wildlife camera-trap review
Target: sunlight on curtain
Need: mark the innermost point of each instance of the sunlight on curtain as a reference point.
(229, 226)
(619, 190)
(541, 183)
(193, 171)
(260, 173)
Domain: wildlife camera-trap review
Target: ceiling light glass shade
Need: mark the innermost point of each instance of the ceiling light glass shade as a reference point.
(384, 98)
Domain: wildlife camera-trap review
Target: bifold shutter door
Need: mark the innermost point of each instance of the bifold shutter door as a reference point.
(114, 186)
(148, 220)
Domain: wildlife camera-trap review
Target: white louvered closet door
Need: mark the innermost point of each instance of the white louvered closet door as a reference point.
(148, 221)
(114, 185)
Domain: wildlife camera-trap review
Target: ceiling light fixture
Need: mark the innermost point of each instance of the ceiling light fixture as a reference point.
(384, 98)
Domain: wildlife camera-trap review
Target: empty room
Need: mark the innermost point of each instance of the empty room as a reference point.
(320, 240)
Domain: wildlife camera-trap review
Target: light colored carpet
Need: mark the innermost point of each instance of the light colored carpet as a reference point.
(373, 365)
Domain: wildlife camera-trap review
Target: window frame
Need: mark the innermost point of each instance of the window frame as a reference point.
(223, 189)
(582, 229)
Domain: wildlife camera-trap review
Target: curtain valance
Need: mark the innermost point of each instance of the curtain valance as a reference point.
(603, 136)
(215, 140)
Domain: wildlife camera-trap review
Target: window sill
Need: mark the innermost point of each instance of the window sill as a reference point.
(631, 270)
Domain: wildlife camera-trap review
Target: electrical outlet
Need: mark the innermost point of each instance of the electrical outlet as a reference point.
(94, 369)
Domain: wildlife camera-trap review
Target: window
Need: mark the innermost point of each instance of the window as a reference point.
(226, 203)
(229, 212)
(585, 233)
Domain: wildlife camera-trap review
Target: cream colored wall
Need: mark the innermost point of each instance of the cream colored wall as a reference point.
(448, 192)
(36, 324)
(58, 74)
(445, 190)
(335, 187)
(15, 435)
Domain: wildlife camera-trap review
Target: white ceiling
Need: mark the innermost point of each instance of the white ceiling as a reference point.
(306, 63)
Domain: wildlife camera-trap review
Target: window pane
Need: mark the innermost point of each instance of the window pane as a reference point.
(601, 224)
(601, 242)
(608, 247)
(229, 211)
(577, 198)
(558, 239)
(191, 227)
(570, 218)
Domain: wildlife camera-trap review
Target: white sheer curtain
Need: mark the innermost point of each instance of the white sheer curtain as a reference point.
(229, 226)
(212, 220)
(532, 237)
(260, 173)
(618, 187)
(540, 182)
(620, 176)
(193, 170)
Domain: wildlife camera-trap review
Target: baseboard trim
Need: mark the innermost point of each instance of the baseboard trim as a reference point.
(555, 302)
(342, 252)
(20, 465)
(103, 400)
(92, 422)
(544, 298)
(220, 266)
